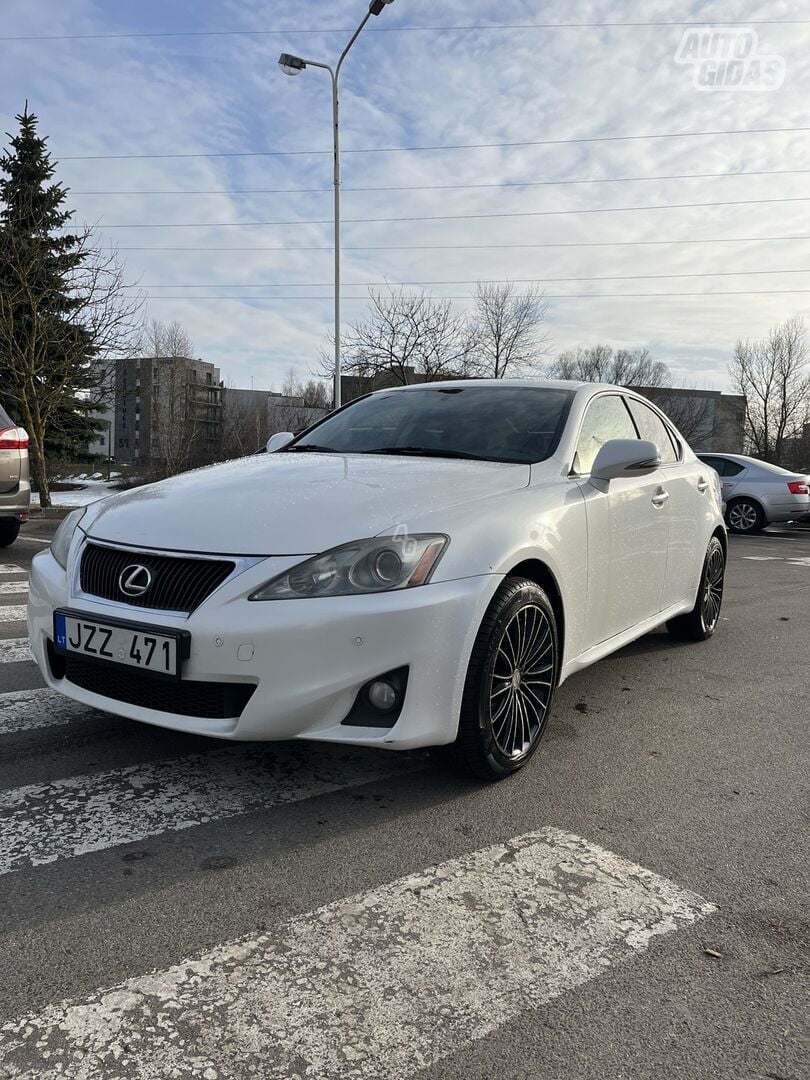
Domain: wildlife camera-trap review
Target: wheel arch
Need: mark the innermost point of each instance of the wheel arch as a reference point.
(541, 574)
(722, 536)
(743, 495)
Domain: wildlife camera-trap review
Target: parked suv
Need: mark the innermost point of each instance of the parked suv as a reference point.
(15, 488)
(757, 494)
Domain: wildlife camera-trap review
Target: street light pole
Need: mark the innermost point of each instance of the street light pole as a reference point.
(294, 65)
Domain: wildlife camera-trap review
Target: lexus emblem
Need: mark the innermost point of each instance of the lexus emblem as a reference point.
(135, 580)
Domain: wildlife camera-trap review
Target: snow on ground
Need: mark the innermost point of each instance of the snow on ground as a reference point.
(91, 489)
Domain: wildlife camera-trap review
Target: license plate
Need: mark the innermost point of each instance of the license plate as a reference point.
(117, 642)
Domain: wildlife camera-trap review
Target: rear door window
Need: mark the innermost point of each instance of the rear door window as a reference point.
(652, 427)
(732, 468)
(722, 465)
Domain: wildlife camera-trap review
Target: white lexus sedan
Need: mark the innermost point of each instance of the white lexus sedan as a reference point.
(421, 568)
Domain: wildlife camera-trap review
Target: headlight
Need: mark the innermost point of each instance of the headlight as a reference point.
(364, 566)
(60, 545)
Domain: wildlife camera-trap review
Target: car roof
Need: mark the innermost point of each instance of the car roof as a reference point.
(549, 384)
(744, 459)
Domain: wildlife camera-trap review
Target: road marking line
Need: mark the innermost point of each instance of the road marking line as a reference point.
(35, 540)
(13, 613)
(12, 650)
(373, 987)
(10, 568)
(800, 560)
(9, 587)
(41, 823)
(25, 710)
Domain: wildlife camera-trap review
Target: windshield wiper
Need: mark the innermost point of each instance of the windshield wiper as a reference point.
(422, 451)
(309, 448)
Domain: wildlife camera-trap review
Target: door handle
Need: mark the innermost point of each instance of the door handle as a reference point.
(659, 498)
(702, 485)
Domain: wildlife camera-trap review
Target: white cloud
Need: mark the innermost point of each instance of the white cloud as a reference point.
(197, 95)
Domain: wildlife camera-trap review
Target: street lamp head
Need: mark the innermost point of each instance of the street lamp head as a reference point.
(376, 6)
(291, 65)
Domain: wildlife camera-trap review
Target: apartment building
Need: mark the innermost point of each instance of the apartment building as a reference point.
(168, 410)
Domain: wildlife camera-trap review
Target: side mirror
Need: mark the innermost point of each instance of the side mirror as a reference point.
(625, 458)
(279, 441)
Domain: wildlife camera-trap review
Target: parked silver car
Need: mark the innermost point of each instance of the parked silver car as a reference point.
(757, 494)
(15, 487)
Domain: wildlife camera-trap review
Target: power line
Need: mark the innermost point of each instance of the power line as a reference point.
(548, 296)
(446, 146)
(458, 187)
(468, 281)
(493, 247)
(451, 217)
(471, 27)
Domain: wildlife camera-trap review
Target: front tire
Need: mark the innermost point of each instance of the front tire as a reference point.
(701, 622)
(744, 516)
(9, 531)
(510, 682)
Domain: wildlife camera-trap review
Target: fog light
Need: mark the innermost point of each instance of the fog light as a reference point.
(382, 695)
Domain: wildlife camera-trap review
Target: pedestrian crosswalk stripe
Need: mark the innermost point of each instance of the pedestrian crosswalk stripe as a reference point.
(9, 587)
(10, 568)
(12, 613)
(14, 649)
(25, 710)
(374, 987)
(41, 823)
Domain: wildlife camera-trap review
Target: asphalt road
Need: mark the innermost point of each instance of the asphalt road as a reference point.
(633, 905)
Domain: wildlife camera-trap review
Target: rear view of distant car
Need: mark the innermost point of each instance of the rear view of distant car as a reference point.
(757, 494)
(15, 487)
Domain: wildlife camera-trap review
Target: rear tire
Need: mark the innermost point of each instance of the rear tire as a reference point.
(744, 516)
(701, 622)
(9, 531)
(510, 682)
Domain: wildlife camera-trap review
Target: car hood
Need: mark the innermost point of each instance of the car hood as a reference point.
(294, 504)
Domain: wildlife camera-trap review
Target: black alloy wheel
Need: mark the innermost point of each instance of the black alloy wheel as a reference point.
(510, 682)
(701, 622)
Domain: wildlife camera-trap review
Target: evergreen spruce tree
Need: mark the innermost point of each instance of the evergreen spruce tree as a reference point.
(48, 335)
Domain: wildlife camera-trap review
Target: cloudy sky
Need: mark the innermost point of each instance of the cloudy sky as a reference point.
(175, 146)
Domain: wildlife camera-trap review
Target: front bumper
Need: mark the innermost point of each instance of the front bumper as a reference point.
(306, 658)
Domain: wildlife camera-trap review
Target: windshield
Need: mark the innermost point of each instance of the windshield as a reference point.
(519, 424)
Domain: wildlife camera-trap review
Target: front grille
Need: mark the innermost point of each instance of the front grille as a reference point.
(210, 700)
(177, 584)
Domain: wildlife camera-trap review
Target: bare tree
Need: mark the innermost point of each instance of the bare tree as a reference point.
(692, 413)
(404, 336)
(165, 339)
(48, 356)
(172, 397)
(601, 363)
(774, 376)
(506, 331)
(299, 405)
(175, 432)
(315, 394)
(246, 423)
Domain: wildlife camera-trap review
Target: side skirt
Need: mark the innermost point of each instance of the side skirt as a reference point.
(618, 641)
